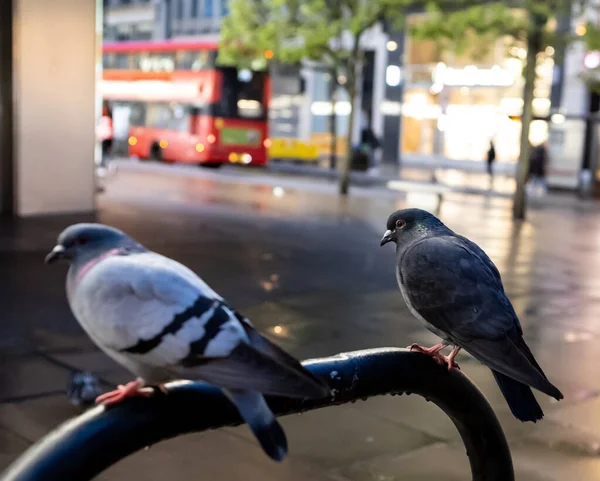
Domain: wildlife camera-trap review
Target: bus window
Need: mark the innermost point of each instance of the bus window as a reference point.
(110, 61)
(137, 118)
(144, 62)
(242, 94)
(121, 61)
(201, 60)
(179, 119)
(157, 62)
(181, 60)
(251, 91)
(167, 61)
(106, 60)
(133, 61)
(157, 116)
(194, 60)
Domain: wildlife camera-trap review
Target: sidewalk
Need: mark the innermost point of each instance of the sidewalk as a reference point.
(470, 180)
(306, 267)
(440, 162)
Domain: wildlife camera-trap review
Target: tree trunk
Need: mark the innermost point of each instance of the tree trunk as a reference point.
(347, 164)
(332, 121)
(520, 199)
(353, 65)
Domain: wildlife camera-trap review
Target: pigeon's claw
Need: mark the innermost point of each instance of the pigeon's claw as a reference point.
(429, 351)
(434, 352)
(131, 389)
(446, 360)
(450, 359)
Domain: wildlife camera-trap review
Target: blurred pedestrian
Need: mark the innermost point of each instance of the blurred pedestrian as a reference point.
(491, 157)
(105, 133)
(369, 143)
(537, 169)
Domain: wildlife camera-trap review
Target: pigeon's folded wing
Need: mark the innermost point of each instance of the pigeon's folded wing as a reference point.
(150, 306)
(151, 310)
(455, 290)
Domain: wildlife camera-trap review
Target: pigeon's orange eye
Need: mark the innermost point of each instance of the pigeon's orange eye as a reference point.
(400, 224)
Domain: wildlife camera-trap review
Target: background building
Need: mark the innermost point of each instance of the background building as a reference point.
(422, 102)
(453, 105)
(127, 20)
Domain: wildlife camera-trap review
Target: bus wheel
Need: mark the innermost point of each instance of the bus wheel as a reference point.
(155, 152)
(211, 165)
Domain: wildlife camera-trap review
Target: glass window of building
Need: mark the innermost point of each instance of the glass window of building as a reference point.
(194, 9)
(224, 8)
(320, 109)
(455, 103)
(209, 8)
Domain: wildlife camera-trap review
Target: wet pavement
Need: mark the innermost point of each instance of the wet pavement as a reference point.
(306, 267)
(465, 177)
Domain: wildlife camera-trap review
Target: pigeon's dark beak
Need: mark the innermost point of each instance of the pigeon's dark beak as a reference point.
(57, 253)
(387, 237)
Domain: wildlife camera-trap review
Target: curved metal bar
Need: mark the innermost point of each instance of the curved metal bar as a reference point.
(87, 445)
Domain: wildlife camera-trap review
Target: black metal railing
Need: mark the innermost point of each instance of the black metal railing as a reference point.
(87, 445)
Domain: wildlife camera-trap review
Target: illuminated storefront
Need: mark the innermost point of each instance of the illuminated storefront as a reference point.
(454, 105)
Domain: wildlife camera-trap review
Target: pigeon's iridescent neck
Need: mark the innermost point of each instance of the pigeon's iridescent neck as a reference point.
(83, 270)
(79, 271)
(418, 233)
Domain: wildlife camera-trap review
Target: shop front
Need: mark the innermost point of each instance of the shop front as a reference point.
(453, 105)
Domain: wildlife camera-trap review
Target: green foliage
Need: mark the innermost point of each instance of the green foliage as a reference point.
(293, 30)
(476, 24)
(244, 34)
(592, 36)
(301, 29)
(457, 28)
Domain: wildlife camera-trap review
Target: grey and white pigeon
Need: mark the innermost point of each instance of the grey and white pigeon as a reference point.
(162, 322)
(455, 290)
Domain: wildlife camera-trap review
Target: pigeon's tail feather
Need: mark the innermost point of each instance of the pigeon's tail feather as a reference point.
(512, 357)
(250, 369)
(552, 390)
(520, 398)
(255, 412)
(267, 348)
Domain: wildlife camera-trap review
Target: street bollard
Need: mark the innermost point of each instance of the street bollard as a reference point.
(85, 446)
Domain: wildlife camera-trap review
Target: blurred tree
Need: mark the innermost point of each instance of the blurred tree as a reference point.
(591, 76)
(289, 31)
(476, 25)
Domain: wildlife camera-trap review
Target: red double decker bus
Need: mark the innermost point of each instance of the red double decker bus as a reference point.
(171, 102)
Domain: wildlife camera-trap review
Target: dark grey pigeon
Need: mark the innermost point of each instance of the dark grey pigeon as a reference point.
(162, 322)
(455, 290)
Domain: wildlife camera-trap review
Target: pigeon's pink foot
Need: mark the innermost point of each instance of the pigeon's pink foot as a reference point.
(434, 352)
(429, 351)
(450, 359)
(131, 389)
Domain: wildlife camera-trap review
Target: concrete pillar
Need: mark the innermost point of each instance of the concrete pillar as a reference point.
(55, 51)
